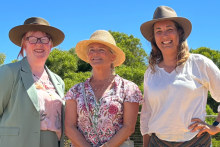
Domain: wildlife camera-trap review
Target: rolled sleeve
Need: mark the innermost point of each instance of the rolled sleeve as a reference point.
(213, 74)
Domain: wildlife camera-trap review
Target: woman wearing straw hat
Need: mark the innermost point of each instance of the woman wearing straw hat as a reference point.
(101, 111)
(30, 94)
(176, 85)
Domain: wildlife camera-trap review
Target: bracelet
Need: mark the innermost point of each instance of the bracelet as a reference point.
(215, 123)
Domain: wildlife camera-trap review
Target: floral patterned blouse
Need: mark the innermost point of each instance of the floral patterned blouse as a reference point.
(107, 113)
(50, 104)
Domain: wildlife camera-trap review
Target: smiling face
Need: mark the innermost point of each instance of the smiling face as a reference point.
(37, 53)
(166, 37)
(100, 55)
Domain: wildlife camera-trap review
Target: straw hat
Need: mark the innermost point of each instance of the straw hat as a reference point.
(103, 37)
(36, 24)
(165, 13)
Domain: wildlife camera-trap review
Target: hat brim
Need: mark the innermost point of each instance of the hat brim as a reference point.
(147, 27)
(82, 52)
(16, 33)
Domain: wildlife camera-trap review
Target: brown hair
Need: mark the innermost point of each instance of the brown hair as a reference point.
(182, 54)
(21, 53)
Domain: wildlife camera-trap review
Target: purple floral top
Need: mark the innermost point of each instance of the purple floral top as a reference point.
(107, 113)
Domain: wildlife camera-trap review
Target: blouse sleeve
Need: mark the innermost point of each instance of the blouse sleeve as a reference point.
(73, 93)
(145, 110)
(132, 93)
(212, 74)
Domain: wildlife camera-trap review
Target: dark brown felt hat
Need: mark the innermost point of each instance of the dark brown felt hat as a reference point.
(36, 24)
(165, 13)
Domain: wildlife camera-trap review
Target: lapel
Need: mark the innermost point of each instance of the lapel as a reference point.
(58, 86)
(28, 81)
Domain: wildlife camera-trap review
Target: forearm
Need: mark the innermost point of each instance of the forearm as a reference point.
(120, 136)
(129, 122)
(146, 139)
(218, 120)
(76, 137)
(218, 117)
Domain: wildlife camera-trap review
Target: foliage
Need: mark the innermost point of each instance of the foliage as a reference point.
(82, 65)
(210, 120)
(135, 54)
(2, 58)
(61, 62)
(72, 78)
(214, 55)
(133, 74)
(15, 60)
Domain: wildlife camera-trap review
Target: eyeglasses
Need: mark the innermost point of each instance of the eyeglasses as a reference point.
(34, 40)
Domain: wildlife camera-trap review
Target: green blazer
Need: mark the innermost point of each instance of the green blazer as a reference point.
(19, 109)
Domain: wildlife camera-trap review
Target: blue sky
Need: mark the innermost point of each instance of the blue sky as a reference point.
(78, 19)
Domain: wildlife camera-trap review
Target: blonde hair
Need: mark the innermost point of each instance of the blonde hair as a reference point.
(156, 55)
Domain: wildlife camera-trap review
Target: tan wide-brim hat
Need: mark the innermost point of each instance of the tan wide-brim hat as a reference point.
(36, 24)
(165, 13)
(103, 37)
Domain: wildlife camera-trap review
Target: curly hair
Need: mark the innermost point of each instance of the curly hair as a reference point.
(182, 54)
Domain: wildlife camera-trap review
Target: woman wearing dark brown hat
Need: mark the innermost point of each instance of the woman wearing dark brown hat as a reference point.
(176, 85)
(30, 94)
(102, 111)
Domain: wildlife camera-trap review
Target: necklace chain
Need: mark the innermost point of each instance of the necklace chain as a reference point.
(103, 85)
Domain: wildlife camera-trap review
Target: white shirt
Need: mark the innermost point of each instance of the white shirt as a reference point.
(173, 99)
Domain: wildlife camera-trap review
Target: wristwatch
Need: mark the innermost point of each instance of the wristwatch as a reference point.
(216, 124)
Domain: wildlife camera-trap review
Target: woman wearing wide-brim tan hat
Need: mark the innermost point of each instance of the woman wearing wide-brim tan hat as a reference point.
(102, 111)
(176, 85)
(31, 104)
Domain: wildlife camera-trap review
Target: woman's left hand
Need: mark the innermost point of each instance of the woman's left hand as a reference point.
(202, 127)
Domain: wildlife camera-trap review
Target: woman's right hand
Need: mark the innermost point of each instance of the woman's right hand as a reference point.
(202, 127)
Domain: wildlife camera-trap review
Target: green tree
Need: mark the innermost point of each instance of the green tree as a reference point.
(210, 120)
(61, 62)
(214, 55)
(15, 60)
(132, 47)
(2, 58)
(135, 75)
(73, 78)
(135, 64)
(82, 65)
